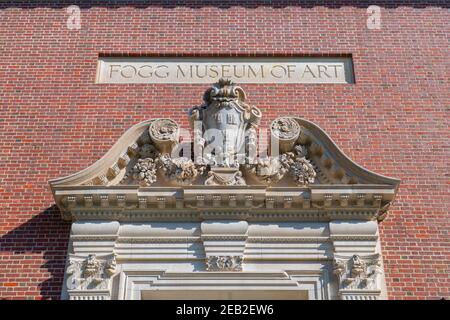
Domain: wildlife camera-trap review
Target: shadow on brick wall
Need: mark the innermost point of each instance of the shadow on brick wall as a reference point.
(224, 3)
(40, 243)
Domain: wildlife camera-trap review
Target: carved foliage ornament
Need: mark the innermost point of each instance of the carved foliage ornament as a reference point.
(224, 263)
(273, 168)
(148, 160)
(225, 142)
(285, 128)
(90, 272)
(223, 179)
(358, 272)
(183, 170)
(144, 171)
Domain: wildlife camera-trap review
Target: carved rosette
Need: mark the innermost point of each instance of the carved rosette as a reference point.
(164, 134)
(358, 272)
(285, 128)
(91, 272)
(224, 111)
(285, 131)
(224, 263)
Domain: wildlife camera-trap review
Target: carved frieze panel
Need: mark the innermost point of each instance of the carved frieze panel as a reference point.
(91, 272)
(224, 263)
(358, 272)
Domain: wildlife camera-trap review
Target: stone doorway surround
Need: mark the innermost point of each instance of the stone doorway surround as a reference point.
(303, 221)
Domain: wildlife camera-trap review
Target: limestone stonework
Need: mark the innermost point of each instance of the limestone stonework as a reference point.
(304, 210)
(59, 116)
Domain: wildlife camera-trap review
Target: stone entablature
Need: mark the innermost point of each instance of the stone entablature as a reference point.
(364, 202)
(144, 216)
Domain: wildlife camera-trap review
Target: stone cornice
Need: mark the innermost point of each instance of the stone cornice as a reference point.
(193, 203)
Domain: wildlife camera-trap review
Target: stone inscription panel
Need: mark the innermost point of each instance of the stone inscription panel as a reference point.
(241, 70)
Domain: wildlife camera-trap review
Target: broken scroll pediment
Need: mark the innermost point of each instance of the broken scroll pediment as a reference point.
(221, 153)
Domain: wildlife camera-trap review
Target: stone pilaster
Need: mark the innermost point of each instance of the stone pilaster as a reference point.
(91, 262)
(224, 244)
(357, 265)
(90, 278)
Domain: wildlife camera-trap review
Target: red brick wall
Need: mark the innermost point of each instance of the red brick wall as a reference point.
(55, 120)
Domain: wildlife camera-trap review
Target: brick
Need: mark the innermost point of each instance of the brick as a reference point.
(55, 120)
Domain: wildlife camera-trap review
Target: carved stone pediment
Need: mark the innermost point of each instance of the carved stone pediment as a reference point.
(302, 171)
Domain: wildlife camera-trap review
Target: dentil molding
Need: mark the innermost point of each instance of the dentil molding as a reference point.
(147, 207)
